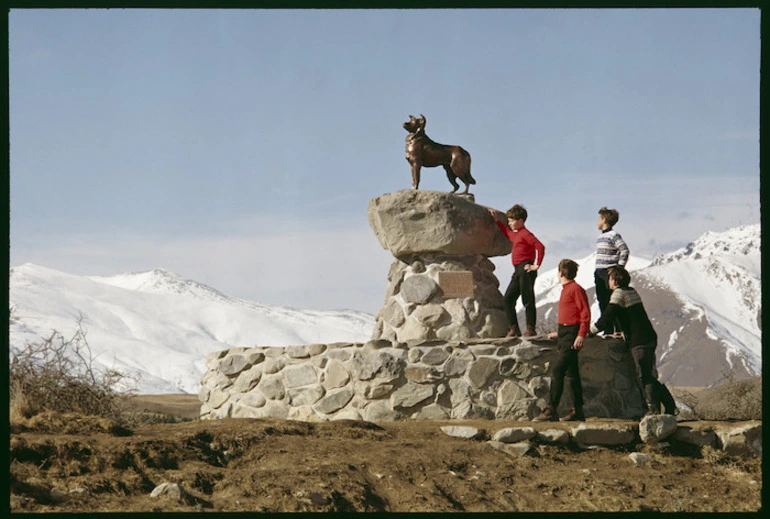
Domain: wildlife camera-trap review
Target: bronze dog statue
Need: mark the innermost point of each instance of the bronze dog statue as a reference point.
(422, 151)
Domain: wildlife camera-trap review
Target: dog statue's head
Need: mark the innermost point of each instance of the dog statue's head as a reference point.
(415, 125)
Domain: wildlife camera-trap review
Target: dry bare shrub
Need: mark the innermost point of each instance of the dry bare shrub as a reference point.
(57, 374)
(742, 399)
(730, 400)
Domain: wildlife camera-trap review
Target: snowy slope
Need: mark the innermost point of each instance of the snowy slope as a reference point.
(704, 300)
(160, 326)
(719, 274)
(548, 288)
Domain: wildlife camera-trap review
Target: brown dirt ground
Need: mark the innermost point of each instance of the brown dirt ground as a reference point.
(272, 465)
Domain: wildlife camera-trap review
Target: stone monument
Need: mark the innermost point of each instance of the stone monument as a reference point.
(441, 284)
(437, 350)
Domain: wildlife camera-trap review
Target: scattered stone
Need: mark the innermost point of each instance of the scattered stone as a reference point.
(514, 434)
(58, 495)
(639, 458)
(657, 427)
(603, 434)
(695, 437)
(553, 436)
(172, 490)
(515, 450)
(743, 440)
(462, 431)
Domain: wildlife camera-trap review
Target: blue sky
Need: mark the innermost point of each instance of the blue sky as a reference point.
(240, 148)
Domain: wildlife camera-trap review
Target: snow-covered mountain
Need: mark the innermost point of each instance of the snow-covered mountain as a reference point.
(703, 299)
(548, 288)
(717, 279)
(160, 326)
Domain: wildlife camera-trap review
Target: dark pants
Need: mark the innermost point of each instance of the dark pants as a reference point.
(565, 366)
(522, 284)
(654, 391)
(603, 293)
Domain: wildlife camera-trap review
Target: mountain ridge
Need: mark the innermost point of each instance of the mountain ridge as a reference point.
(704, 300)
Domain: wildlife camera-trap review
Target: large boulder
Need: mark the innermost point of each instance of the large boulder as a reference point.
(416, 221)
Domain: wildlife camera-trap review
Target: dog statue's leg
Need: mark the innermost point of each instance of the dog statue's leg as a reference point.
(415, 176)
(451, 176)
(460, 165)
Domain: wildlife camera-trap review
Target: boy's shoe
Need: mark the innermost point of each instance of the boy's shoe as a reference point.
(548, 415)
(674, 411)
(574, 415)
(530, 332)
(513, 331)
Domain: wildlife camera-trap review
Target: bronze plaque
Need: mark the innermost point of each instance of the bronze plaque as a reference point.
(456, 283)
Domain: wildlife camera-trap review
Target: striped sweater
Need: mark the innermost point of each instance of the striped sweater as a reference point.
(611, 250)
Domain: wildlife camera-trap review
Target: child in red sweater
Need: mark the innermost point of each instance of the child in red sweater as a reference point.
(574, 320)
(526, 255)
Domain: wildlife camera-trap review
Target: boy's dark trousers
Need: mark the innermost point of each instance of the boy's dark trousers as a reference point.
(522, 284)
(603, 293)
(565, 365)
(654, 391)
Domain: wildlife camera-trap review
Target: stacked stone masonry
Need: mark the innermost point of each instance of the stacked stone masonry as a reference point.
(430, 233)
(415, 307)
(385, 381)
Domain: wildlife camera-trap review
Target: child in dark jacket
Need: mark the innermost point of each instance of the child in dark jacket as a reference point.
(625, 307)
(574, 319)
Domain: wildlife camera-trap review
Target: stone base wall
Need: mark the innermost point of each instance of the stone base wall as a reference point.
(383, 381)
(415, 307)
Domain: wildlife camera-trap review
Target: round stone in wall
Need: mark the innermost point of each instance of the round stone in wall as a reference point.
(418, 289)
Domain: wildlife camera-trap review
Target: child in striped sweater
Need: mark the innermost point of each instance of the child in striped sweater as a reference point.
(611, 251)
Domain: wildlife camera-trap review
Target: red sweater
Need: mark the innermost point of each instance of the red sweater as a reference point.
(525, 246)
(574, 308)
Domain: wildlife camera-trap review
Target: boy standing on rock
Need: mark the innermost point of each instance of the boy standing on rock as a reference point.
(574, 319)
(626, 307)
(611, 251)
(526, 256)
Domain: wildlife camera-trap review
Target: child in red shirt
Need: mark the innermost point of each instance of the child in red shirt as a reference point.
(574, 320)
(526, 255)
